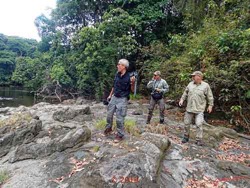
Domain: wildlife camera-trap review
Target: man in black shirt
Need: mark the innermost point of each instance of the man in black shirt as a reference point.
(118, 97)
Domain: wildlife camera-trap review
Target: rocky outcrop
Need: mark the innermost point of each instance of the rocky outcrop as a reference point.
(136, 163)
(23, 134)
(16, 130)
(40, 149)
(81, 114)
(61, 146)
(144, 162)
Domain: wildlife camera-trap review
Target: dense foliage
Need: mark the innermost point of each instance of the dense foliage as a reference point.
(83, 40)
(10, 49)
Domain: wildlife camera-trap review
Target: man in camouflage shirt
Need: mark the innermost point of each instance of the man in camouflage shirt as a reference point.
(158, 86)
(197, 94)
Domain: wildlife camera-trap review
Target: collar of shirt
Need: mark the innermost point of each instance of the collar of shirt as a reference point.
(120, 74)
(197, 84)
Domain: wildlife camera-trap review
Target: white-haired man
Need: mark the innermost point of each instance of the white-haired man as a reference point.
(118, 97)
(197, 94)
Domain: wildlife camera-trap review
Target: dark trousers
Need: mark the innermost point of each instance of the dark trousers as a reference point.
(152, 104)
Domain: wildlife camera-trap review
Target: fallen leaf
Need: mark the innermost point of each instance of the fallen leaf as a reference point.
(230, 144)
(58, 180)
(80, 169)
(240, 158)
(132, 150)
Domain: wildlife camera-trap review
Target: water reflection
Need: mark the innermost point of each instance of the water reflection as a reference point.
(15, 96)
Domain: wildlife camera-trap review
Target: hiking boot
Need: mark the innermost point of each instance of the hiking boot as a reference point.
(118, 138)
(107, 131)
(161, 121)
(185, 139)
(199, 143)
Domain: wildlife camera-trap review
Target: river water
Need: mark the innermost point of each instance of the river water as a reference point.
(15, 96)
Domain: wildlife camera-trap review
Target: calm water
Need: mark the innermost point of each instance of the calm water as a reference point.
(15, 96)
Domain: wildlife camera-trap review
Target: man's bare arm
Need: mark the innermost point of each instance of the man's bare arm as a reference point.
(132, 82)
(111, 93)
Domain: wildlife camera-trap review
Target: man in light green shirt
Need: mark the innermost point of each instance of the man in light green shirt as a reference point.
(197, 94)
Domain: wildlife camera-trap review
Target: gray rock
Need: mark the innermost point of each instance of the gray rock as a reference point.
(133, 105)
(26, 174)
(143, 163)
(161, 141)
(74, 138)
(137, 112)
(40, 105)
(24, 131)
(70, 113)
(133, 163)
(69, 101)
(7, 139)
(82, 101)
(168, 107)
(27, 133)
(174, 153)
(83, 118)
(237, 169)
(6, 143)
(60, 139)
(4, 110)
(212, 135)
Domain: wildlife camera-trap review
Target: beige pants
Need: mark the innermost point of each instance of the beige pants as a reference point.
(199, 119)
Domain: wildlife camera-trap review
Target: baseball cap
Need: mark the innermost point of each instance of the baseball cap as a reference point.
(198, 73)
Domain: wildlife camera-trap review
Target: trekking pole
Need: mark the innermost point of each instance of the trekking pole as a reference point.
(136, 75)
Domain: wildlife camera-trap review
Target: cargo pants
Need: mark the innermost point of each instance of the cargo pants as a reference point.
(152, 104)
(199, 119)
(118, 106)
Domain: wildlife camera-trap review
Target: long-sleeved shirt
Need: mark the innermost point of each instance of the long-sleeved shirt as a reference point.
(197, 96)
(160, 84)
